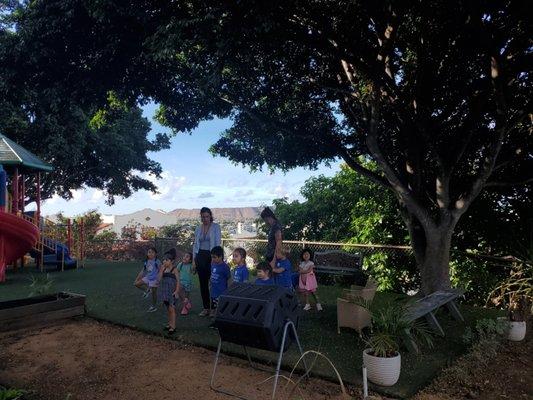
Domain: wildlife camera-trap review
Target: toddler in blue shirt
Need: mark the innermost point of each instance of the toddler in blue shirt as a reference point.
(264, 271)
(240, 273)
(282, 271)
(220, 274)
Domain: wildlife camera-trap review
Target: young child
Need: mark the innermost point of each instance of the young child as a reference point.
(220, 274)
(307, 284)
(170, 286)
(240, 273)
(282, 271)
(185, 270)
(264, 272)
(147, 278)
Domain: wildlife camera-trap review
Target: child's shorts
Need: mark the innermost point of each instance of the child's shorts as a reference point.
(171, 303)
(186, 286)
(150, 282)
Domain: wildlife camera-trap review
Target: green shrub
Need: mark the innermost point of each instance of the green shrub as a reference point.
(11, 394)
(41, 285)
(485, 329)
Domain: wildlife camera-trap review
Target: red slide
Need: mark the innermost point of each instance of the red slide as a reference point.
(17, 237)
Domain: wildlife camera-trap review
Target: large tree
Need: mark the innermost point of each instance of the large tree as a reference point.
(436, 93)
(91, 134)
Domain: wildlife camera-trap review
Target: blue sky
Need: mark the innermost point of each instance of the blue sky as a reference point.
(193, 178)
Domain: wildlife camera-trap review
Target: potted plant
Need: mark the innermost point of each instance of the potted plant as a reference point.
(515, 294)
(390, 326)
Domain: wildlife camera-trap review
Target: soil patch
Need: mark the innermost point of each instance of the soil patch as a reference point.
(490, 371)
(86, 359)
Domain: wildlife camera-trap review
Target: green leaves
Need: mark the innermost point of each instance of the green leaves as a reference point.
(11, 394)
(40, 285)
(390, 325)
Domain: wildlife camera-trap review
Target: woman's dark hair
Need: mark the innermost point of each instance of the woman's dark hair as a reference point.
(171, 254)
(154, 250)
(217, 251)
(267, 212)
(264, 266)
(306, 250)
(241, 251)
(207, 210)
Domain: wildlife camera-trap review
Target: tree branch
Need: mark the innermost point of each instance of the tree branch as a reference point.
(378, 179)
(462, 204)
(411, 203)
(508, 184)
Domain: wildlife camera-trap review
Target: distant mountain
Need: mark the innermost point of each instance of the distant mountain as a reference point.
(227, 214)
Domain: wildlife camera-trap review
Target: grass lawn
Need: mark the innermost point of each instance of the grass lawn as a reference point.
(112, 297)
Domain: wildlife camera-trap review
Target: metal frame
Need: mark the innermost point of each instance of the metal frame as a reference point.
(278, 366)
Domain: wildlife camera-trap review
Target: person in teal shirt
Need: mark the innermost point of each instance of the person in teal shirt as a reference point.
(186, 270)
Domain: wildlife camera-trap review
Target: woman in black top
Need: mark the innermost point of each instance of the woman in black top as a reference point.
(275, 240)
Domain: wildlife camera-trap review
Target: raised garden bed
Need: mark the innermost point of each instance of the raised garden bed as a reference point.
(40, 310)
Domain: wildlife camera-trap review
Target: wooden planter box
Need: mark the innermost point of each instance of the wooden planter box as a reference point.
(40, 310)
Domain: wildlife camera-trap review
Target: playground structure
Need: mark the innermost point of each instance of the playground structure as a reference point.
(63, 244)
(27, 232)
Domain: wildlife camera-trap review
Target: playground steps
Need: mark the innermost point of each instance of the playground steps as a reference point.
(51, 238)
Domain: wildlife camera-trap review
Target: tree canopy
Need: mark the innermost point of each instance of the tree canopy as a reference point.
(436, 93)
(346, 207)
(92, 136)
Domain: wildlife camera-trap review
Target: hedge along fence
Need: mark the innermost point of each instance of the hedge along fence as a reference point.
(394, 267)
(117, 250)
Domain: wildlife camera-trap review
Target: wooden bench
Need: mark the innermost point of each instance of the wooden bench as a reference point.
(428, 305)
(340, 263)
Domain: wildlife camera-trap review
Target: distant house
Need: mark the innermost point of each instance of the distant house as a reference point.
(145, 217)
(244, 235)
(104, 227)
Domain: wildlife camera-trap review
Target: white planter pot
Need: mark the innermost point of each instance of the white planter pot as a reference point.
(517, 331)
(383, 371)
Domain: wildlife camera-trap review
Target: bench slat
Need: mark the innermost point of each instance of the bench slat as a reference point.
(432, 302)
(337, 263)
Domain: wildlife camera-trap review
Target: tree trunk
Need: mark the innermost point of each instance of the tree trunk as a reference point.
(431, 247)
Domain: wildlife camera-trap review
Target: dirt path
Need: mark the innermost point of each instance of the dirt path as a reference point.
(92, 360)
(82, 360)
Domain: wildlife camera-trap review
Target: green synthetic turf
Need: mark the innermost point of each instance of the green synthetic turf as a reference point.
(112, 297)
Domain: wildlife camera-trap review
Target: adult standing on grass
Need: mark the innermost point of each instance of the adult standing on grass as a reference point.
(206, 236)
(275, 240)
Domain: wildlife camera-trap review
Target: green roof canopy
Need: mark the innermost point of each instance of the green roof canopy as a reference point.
(13, 156)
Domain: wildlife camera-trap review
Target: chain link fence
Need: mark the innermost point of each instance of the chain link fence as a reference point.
(394, 267)
(117, 250)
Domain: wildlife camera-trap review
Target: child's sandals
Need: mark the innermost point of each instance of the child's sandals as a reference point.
(171, 331)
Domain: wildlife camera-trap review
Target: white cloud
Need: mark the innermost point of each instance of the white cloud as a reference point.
(281, 190)
(77, 195)
(236, 182)
(167, 186)
(96, 196)
(244, 193)
(53, 200)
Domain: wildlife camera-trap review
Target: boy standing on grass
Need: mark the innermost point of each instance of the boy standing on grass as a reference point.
(220, 274)
(264, 271)
(282, 271)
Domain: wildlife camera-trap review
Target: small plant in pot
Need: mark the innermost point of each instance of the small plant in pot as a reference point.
(515, 294)
(390, 327)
